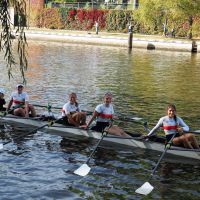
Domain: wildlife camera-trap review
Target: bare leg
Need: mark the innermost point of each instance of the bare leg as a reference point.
(19, 112)
(115, 130)
(182, 140)
(192, 140)
(82, 118)
(32, 109)
(79, 118)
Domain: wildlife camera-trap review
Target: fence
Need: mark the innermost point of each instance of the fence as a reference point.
(96, 5)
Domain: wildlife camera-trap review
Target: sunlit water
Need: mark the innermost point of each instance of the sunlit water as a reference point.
(143, 82)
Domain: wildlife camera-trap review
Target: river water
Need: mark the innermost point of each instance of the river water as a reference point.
(142, 82)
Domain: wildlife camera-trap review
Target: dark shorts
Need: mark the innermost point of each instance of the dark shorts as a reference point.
(100, 126)
(3, 109)
(169, 137)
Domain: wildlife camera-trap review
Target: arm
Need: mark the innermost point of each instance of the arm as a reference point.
(4, 101)
(94, 115)
(183, 125)
(155, 129)
(9, 104)
(26, 109)
(26, 104)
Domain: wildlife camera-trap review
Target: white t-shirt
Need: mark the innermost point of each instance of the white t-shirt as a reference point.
(19, 99)
(70, 108)
(105, 112)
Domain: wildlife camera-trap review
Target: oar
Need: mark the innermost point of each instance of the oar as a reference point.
(47, 106)
(29, 133)
(122, 118)
(84, 169)
(135, 120)
(194, 132)
(146, 188)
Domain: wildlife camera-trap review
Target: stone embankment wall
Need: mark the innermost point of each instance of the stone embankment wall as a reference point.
(158, 44)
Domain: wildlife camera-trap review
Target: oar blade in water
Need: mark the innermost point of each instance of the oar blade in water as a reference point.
(1, 146)
(145, 189)
(83, 170)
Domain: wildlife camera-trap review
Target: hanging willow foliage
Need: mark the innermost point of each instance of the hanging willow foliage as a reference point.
(8, 34)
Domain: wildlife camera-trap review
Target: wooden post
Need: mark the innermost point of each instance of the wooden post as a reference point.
(130, 40)
(194, 47)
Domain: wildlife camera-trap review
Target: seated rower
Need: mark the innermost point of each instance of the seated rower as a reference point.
(2, 100)
(104, 114)
(19, 103)
(72, 113)
(173, 124)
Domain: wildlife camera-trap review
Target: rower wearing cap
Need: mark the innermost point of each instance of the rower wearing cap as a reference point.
(2, 100)
(19, 101)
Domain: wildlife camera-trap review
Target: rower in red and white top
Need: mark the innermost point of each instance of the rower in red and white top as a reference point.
(19, 102)
(104, 114)
(176, 130)
(169, 125)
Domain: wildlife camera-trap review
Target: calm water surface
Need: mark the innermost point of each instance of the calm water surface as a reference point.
(41, 166)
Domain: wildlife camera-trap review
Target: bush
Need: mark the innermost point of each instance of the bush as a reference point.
(50, 18)
(111, 20)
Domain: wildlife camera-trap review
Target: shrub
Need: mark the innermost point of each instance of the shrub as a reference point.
(50, 18)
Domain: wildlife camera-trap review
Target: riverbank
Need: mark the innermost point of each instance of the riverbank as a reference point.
(114, 39)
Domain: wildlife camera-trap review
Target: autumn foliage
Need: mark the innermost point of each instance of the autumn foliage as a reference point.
(109, 20)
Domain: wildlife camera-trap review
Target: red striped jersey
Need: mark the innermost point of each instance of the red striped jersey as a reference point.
(105, 112)
(169, 125)
(19, 99)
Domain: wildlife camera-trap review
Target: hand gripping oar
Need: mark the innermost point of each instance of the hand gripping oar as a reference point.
(29, 133)
(84, 169)
(146, 188)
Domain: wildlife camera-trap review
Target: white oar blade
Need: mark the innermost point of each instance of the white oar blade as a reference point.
(136, 118)
(145, 189)
(1, 146)
(83, 170)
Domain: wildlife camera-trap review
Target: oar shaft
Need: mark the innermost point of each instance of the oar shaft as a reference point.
(194, 132)
(43, 106)
(163, 154)
(31, 132)
(97, 145)
(161, 157)
(25, 134)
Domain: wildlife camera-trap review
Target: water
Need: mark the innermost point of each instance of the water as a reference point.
(41, 166)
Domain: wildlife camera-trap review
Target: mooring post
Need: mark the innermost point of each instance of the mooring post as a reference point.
(130, 39)
(194, 47)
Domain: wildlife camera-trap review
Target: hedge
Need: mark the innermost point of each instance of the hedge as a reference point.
(109, 20)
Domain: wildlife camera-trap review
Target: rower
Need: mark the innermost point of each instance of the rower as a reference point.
(71, 112)
(19, 102)
(2, 100)
(104, 115)
(174, 125)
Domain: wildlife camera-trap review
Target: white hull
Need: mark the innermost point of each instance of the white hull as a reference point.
(63, 131)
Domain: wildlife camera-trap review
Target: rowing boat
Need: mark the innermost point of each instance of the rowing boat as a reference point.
(135, 141)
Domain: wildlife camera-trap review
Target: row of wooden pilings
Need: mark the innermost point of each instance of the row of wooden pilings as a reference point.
(150, 46)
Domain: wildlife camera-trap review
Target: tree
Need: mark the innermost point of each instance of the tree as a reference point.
(7, 36)
(153, 13)
(188, 9)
